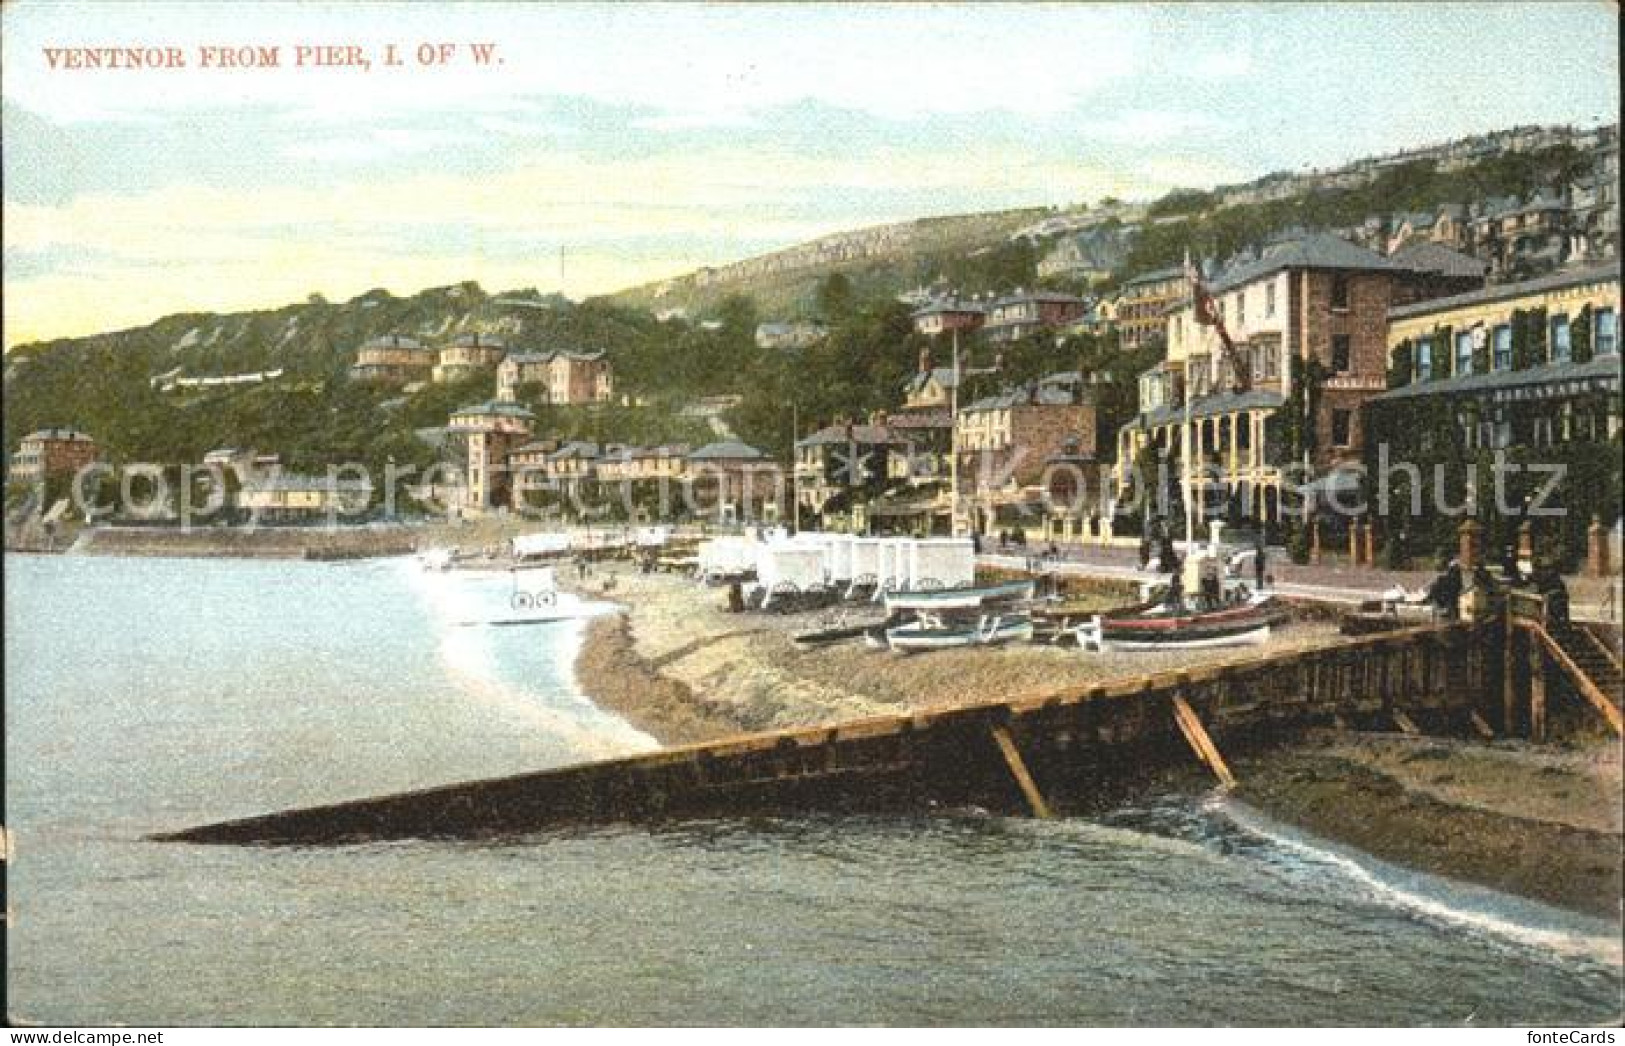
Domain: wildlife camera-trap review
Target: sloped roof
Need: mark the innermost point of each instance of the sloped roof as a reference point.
(474, 339)
(837, 434)
(1314, 251)
(943, 305)
(1438, 259)
(575, 449)
(1055, 297)
(1607, 273)
(1173, 272)
(943, 376)
(1546, 374)
(1209, 406)
(1028, 395)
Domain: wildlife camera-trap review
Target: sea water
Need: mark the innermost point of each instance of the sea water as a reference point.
(150, 695)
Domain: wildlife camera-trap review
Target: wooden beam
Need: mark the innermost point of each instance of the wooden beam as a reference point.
(1482, 727)
(1196, 735)
(1582, 682)
(1018, 770)
(1404, 722)
(1537, 693)
(1509, 678)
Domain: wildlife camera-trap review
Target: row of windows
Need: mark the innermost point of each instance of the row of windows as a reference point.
(1559, 342)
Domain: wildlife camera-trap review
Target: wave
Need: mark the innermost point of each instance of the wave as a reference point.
(1525, 922)
(481, 662)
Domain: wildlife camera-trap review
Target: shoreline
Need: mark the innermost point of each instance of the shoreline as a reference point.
(1540, 822)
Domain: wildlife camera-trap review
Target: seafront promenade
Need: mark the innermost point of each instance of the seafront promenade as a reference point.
(1329, 582)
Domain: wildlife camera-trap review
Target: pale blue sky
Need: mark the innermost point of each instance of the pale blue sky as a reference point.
(648, 140)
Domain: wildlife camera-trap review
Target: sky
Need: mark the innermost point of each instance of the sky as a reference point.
(597, 146)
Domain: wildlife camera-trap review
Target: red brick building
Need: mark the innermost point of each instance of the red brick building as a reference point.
(51, 453)
(1006, 442)
(1311, 305)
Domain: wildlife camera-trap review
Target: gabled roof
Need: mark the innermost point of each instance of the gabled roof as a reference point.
(1032, 394)
(943, 376)
(1314, 251)
(838, 434)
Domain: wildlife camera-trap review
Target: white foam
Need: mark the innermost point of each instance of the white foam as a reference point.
(1438, 900)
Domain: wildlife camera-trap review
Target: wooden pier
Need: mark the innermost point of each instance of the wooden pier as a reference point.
(1038, 754)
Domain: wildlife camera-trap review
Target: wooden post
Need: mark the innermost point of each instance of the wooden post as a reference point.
(1482, 727)
(1354, 544)
(1509, 672)
(1197, 737)
(1537, 693)
(1369, 531)
(1314, 541)
(1018, 770)
(1467, 534)
(1597, 549)
(1404, 722)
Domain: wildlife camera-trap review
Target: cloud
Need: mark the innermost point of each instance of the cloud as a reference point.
(1153, 126)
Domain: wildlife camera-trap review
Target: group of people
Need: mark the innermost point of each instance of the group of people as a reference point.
(1446, 590)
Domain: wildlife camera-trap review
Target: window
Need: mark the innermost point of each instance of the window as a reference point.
(1464, 353)
(1560, 338)
(1341, 420)
(1502, 359)
(1340, 353)
(1606, 341)
(1269, 298)
(1424, 359)
(1340, 291)
(1241, 309)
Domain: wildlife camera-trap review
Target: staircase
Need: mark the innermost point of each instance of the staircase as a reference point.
(1592, 658)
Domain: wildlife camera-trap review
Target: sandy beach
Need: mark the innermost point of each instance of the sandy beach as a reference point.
(1540, 821)
(744, 672)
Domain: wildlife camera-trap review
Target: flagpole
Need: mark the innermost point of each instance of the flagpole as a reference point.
(953, 444)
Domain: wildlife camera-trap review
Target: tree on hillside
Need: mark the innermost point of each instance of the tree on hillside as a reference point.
(836, 298)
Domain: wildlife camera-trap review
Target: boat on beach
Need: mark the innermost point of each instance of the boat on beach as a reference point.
(1185, 626)
(966, 598)
(935, 630)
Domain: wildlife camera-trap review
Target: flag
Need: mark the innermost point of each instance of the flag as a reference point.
(1207, 313)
